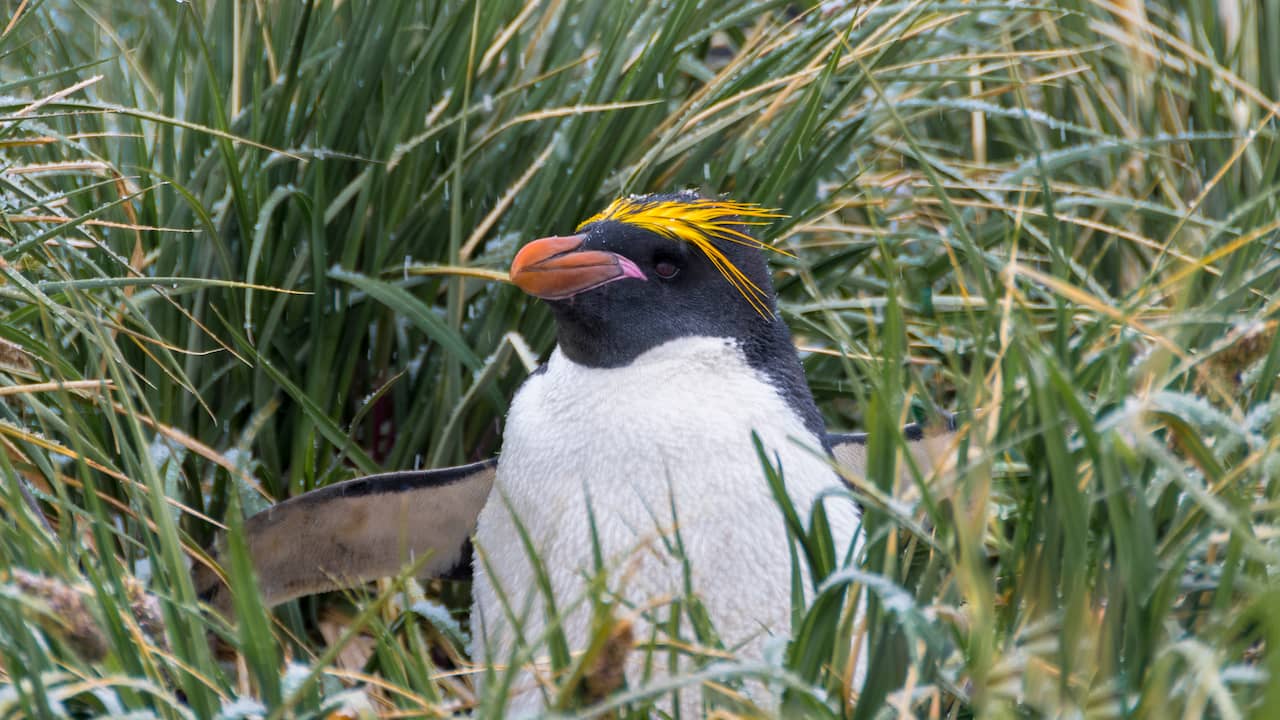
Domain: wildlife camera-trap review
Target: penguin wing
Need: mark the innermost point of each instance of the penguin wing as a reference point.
(361, 530)
(929, 447)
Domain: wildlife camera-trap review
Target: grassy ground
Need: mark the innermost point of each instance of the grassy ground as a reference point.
(252, 248)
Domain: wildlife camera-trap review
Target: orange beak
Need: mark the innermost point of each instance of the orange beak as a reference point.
(553, 268)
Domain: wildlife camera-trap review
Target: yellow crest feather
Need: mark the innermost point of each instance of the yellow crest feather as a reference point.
(699, 222)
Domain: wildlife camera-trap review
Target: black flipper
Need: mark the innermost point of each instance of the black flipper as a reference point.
(928, 446)
(361, 530)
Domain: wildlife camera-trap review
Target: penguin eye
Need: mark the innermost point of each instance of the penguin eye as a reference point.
(665, 269)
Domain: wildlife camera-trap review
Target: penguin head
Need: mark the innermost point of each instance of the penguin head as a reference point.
(651, 269)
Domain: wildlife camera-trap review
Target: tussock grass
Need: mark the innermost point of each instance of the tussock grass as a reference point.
(249, 249)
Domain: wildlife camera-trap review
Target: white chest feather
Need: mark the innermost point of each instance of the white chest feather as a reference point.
(673, 429)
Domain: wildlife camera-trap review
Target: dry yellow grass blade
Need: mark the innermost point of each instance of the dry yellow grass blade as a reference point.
(17, 433)
(1084, 299)
(58, 219)
(482, 230)
(77, 386)
(459, 271)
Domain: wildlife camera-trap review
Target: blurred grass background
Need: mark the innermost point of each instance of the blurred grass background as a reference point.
(252, 248)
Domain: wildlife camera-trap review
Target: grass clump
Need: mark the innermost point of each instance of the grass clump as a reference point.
(249, 249)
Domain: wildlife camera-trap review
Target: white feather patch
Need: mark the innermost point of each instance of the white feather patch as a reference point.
(674, 424)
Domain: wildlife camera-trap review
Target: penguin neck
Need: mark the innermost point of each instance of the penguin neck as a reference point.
(768, 351)
(773, 354)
